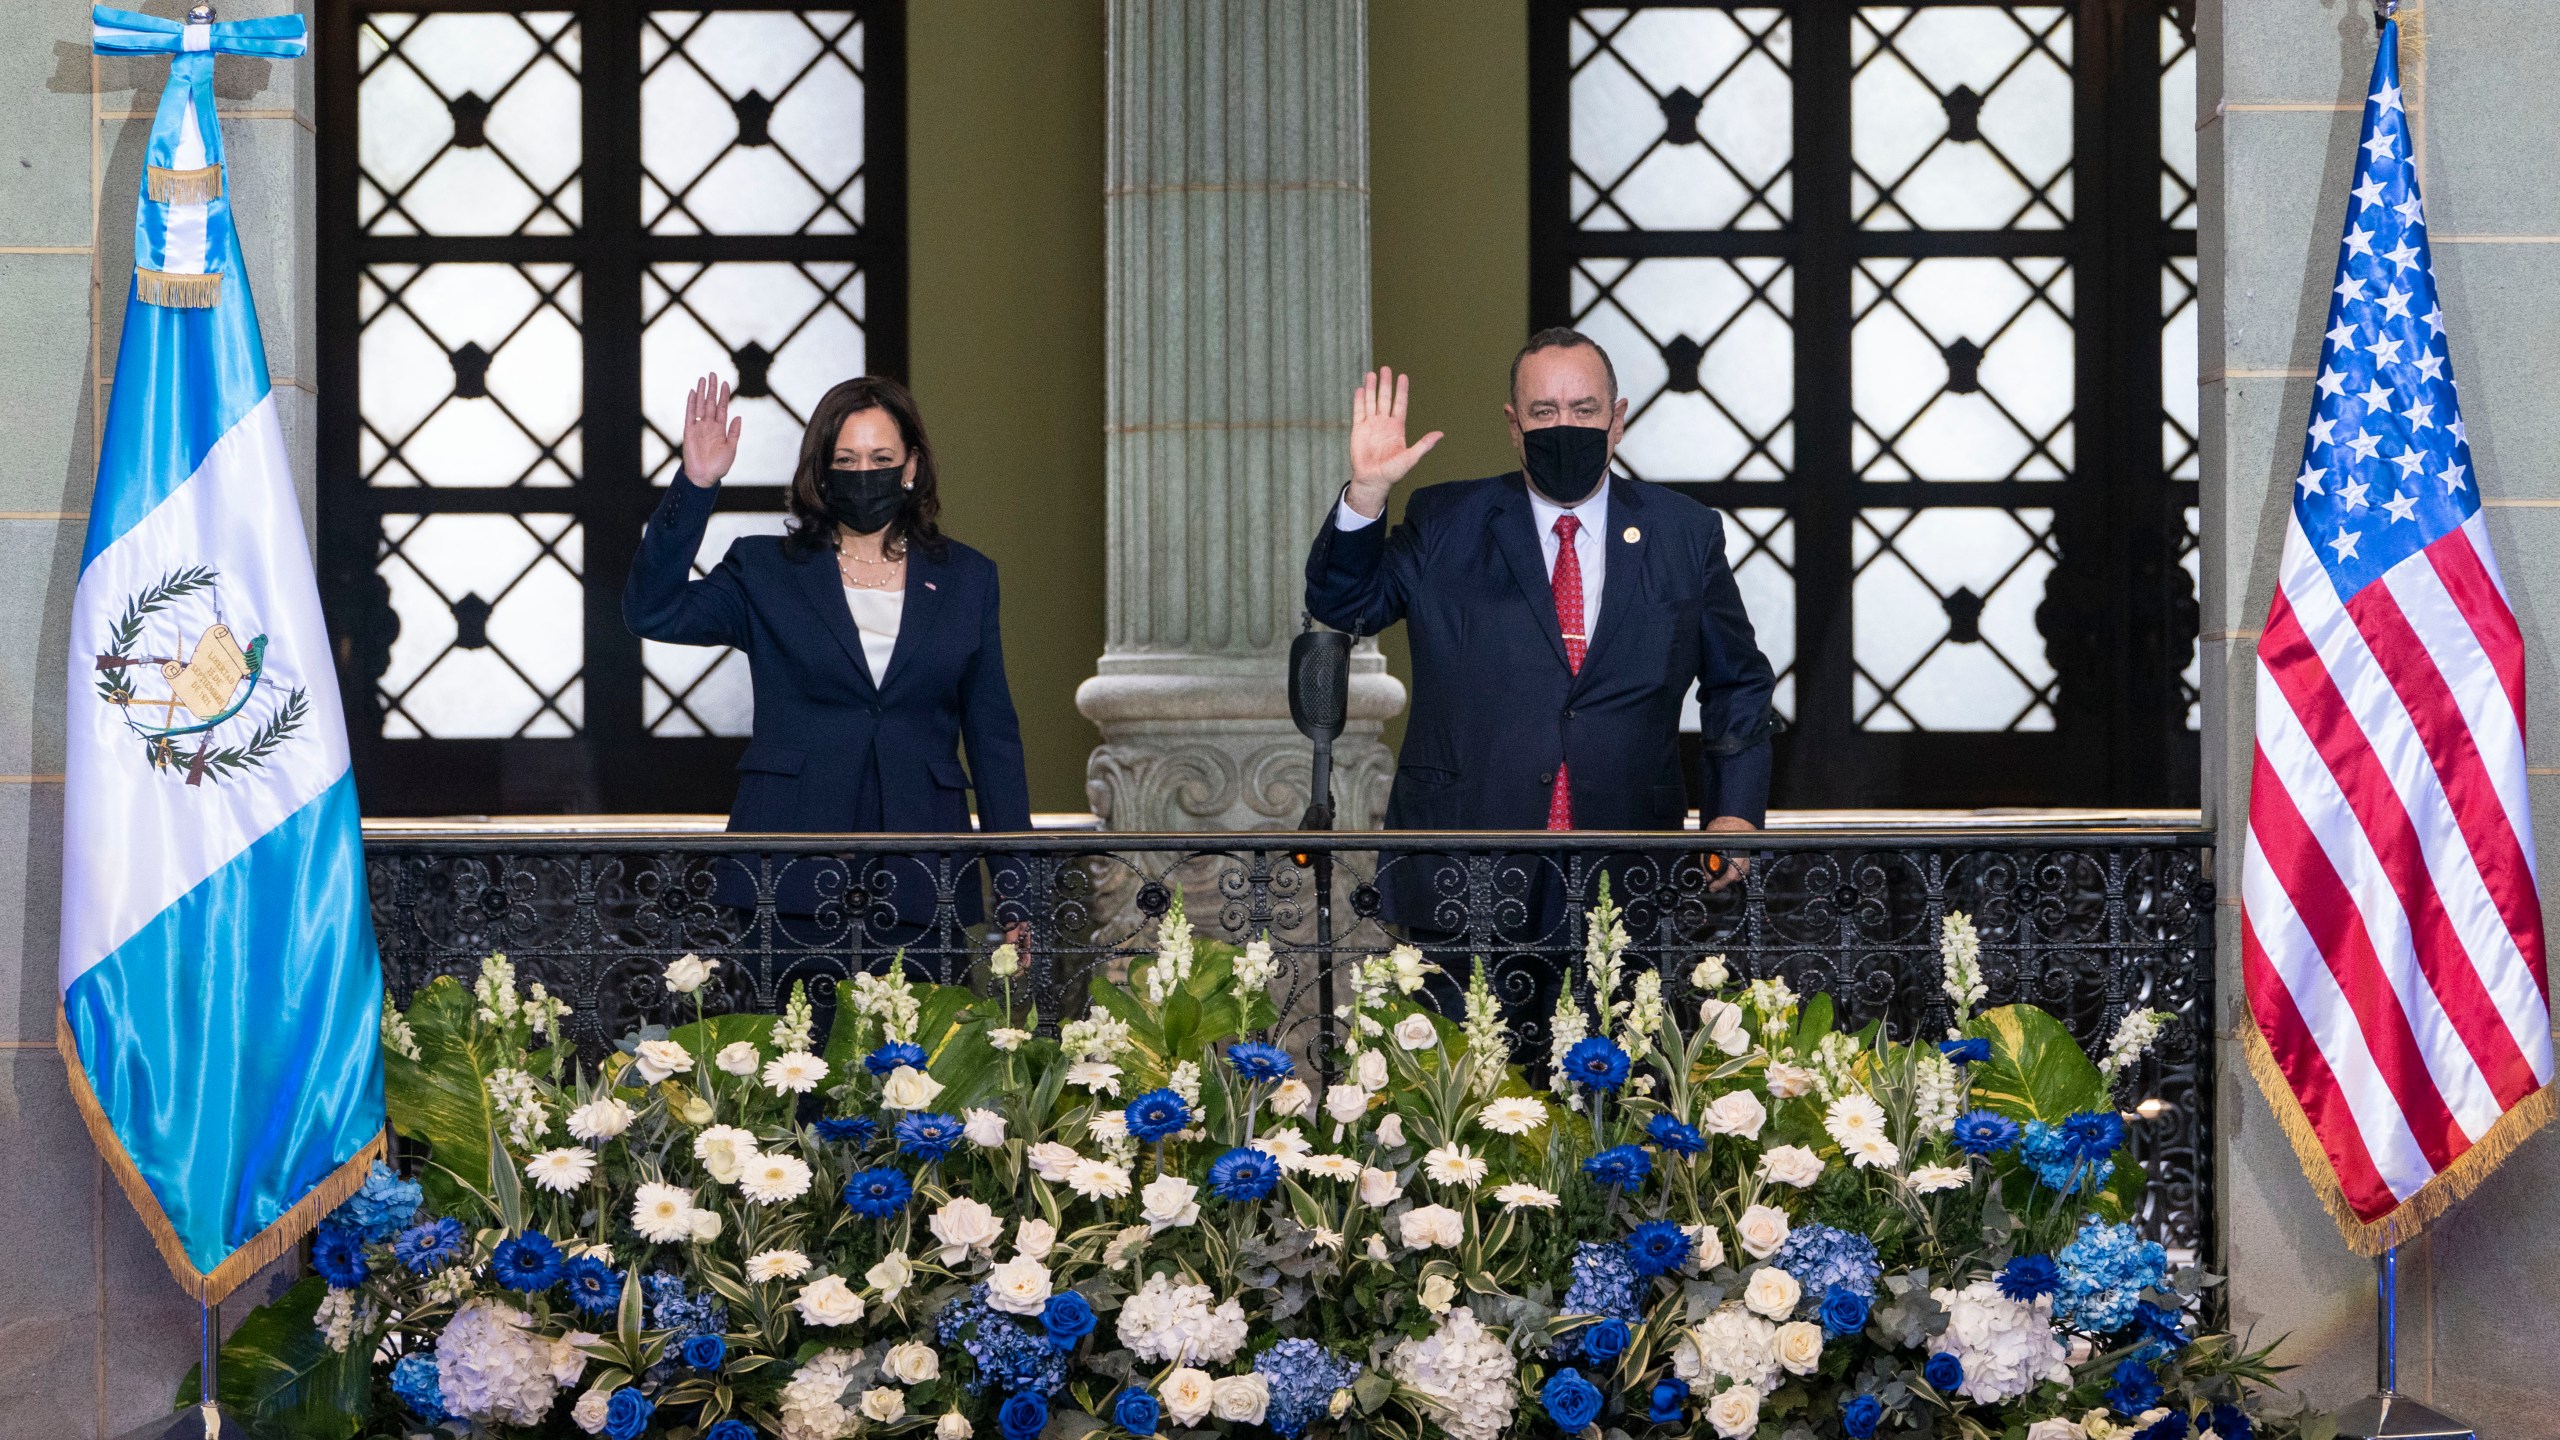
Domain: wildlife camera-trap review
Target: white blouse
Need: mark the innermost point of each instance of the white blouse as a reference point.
(876, 614)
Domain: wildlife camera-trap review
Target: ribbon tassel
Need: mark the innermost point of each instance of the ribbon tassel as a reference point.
(182, 187)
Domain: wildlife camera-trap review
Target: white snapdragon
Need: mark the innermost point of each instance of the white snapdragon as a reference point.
(1256, 968)
(495, 990)
(1960, 964)
(396, 1034)
(2134, 1034)
(1173, 954)
(1096, 1037)
(887, 1001)
(796, 1028)
(517, 1097)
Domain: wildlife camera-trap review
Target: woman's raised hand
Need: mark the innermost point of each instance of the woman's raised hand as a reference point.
(710, 432)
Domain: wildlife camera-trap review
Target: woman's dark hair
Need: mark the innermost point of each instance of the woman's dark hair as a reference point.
(917, 522)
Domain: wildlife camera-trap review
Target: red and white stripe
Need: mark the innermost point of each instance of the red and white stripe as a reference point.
(2390, 930)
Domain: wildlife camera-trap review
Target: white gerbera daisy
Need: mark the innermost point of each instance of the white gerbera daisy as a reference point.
(1331, 1167)
(1455, 1165)
(773, 1179)
(1522, 1196)
(1513, 1114)
(1100, 1077)
(797, 1073)
(663, 1214)
(563, 1170)
(1852, 1117)
(1098, 1180)
(1929, 1179)
(776, 1265)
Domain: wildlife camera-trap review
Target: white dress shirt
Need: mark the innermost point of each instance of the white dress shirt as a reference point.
(877, 614)
(1590, 543)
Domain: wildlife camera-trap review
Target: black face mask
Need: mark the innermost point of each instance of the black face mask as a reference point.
(864, 501)
(1566, 462)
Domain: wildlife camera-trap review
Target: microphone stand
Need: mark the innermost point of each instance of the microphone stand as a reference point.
(1319, 685)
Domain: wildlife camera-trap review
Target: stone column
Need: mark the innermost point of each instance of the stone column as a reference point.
(1237, 254)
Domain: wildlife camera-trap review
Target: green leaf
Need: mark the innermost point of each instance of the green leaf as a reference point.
(278, 1371)
(2036, 1070)
(1181, 1025)
(968, 1065)
(710, 1034)
(1813, 1021)
(441, 1097)
(506, 1187)
(940, 1011)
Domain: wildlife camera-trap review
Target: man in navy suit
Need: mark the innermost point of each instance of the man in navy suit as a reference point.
(1557, 616)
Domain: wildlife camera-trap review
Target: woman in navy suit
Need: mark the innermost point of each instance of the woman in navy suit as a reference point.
(872, 642)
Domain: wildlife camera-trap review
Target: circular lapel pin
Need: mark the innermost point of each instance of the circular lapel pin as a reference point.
(1631, 535)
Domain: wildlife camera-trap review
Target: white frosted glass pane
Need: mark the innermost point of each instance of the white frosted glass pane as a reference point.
(805, 320)
(2177, 125)
(2179, 396)
(751, 122)
(2192, 561)
(1681, 119)
(468, 124)
(512, 667)
(1961, 117)
(704, 689)
(1962, 369)
(1943, 619)
(1704, 351)
(514, 329)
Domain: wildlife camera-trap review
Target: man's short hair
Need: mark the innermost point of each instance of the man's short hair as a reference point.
(1562, 337)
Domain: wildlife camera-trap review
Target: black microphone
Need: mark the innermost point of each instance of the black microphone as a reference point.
(1319, 703)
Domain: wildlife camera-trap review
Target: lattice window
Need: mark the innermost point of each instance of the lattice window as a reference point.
(543, 224)
(1865, 295)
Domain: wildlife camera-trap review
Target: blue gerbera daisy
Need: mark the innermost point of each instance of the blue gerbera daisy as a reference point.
(877, 1193)
(1243, 1174)
(430, 1245)
(892, 1055)
(337, 1252)
(2027, 1276)
(594, 1287)
(929, 1137)
(848, 1130)
(1620, 1167)
(1259, 1062)
(1157, 1114)
(1657, 1247)
(1984, 1132)
(526, 1262)
(1671, 1134)
(1597, 1062)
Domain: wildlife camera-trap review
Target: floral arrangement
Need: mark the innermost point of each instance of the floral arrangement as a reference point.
(1720, 1215)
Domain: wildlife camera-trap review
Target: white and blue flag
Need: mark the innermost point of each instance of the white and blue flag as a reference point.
(221, 993)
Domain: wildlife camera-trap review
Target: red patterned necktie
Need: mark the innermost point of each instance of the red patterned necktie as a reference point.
(1567, 582)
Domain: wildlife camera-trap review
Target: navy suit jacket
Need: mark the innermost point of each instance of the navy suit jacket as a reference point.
(1496, 708)
(826, 729)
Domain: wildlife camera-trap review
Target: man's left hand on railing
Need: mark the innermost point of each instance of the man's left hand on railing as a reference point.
(1735, 866)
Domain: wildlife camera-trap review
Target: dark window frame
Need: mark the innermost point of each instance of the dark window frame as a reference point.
(2119, 614)
(612, 764)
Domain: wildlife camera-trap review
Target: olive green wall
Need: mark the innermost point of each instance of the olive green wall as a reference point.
(1449, 227)
(1005, 137)
(1004, 164)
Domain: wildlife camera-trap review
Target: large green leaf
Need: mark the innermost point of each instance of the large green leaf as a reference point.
(278, 1372)
(2036, 1070)
(710, 1034)
(442, 1097)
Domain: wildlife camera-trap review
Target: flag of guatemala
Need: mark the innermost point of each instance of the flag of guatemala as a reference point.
(221, 994)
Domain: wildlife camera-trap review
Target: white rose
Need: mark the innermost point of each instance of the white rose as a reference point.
(1187, 1395)
(908, 1088)
(1005, 963)
(953, 1426)
(1378, 1188)
(1416, 1032)
(891, 1276)
(724, 1151)
(1240, 1399)
(1291, 1097)
(706, 1226)
(1428, 1225)
(600, 1119)
(828, 1301)
(686, 974)
(1706, 1248)
(1390, 1130)
(1378, 1248)
(1035, 1237)
(1799, 1346)
(1762, 1229)
(1008, 1039)
(1721, 1022)
(964, 1225)
(1735, 1412)
(589, 1411)
(1437, 1293)
(1772, 1292)
(911, 1363)
(1709, 974)
(738, 1057)
(1051, 1161)
(1790, 1165)
(1019, 1286)
(1168, 1201)
(1789, 1081)
(1371, 1070)
(658, 1059)
(1346, 1102)
(2056, 1428)
(1736, 1112)
(884, 1404)
(985, 1128)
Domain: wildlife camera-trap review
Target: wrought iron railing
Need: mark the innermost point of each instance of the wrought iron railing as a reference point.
(2088, 923)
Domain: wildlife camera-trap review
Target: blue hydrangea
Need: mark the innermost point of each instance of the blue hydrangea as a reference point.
(2059, 1161)
(415, 1381)
(1604, 1282)
(1004, 1352)
(1302, 1376)
(1820, 1256)
(2105, 1269)
(381, 1206)
(671, 1307)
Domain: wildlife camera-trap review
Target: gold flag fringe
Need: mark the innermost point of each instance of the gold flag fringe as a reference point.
(2407, 1220)
(178, 292)
(182, 187)
(260, 1250)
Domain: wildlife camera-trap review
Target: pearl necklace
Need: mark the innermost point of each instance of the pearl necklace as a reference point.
(853, 582)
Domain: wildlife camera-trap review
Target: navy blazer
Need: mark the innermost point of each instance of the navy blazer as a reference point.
(826, 729)
(1496, 708)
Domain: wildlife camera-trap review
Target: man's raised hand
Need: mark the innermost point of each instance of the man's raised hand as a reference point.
(1379, 456)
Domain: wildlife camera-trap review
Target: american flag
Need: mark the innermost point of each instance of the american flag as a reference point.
(2390, 932)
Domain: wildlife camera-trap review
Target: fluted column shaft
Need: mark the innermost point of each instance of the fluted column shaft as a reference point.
(1237, 322)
